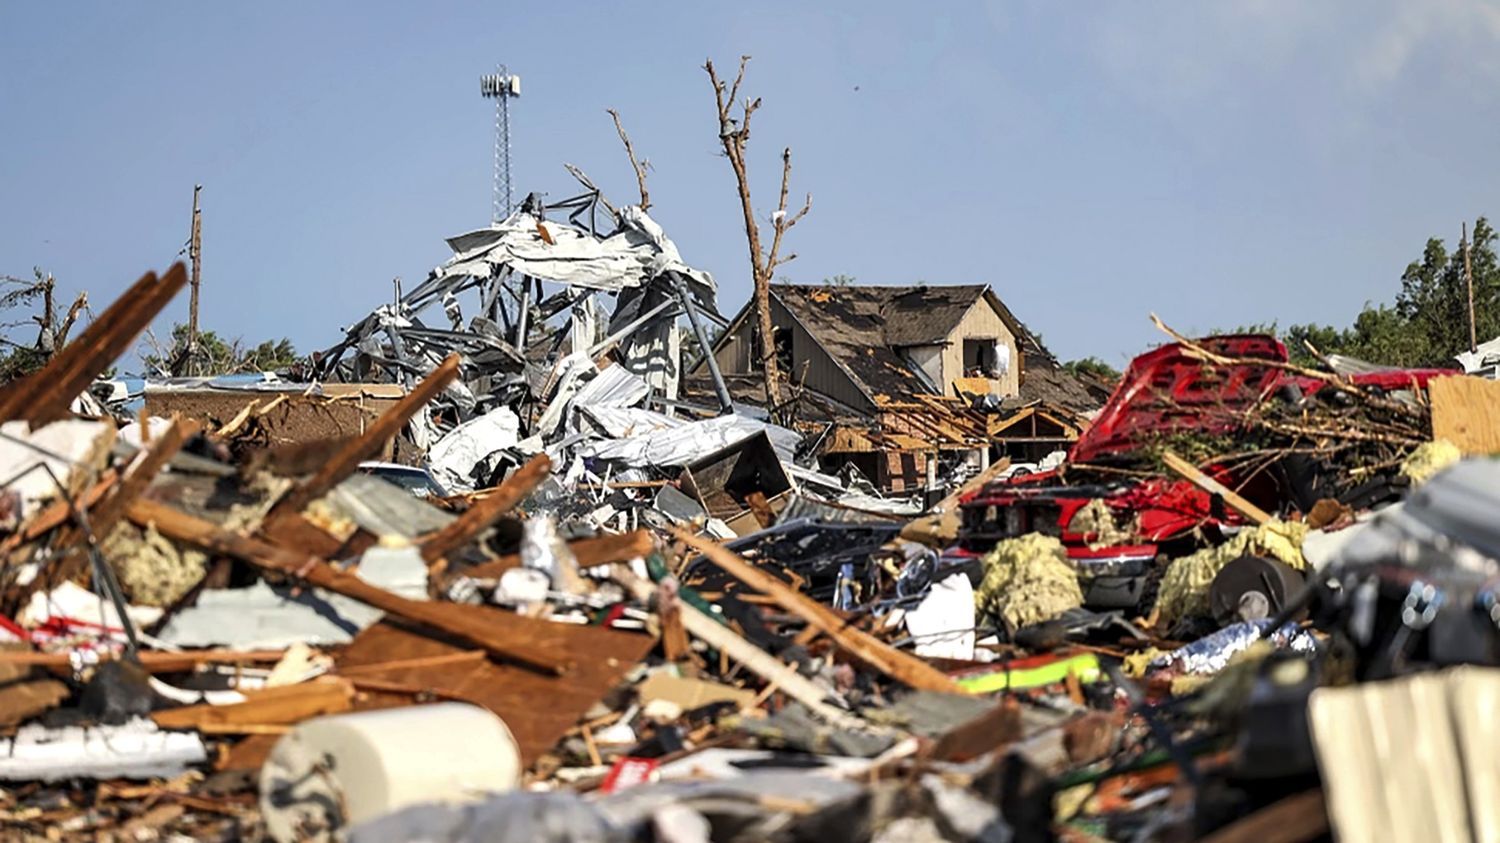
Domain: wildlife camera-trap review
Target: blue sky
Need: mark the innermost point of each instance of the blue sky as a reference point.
(1215, 162)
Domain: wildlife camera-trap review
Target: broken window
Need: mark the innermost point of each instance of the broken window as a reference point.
(983, 358)
(783, 340)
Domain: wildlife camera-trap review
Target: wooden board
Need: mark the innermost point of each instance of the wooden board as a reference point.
(538, 709)
(1466, 412)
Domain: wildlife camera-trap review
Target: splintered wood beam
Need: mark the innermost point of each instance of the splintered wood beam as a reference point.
(869, 650)
(360, 448)
(485, 511)
(490, 633)
(1192, 473)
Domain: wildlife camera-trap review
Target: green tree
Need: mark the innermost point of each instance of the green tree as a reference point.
(1428, 324)
(217, 356)
(1092, 367)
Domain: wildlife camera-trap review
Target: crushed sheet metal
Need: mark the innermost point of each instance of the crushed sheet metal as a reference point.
(263, 618)
(454, 456)
(688, 442)
(385, 509)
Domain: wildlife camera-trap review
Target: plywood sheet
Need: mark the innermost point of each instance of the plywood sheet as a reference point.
(539, 709)
(1466, 412)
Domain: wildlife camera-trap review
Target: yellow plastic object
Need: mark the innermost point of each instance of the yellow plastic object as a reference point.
(1013, 678)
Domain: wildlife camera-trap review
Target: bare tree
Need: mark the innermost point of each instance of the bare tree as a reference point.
(733, 135)
(640, 166)
(52, 328)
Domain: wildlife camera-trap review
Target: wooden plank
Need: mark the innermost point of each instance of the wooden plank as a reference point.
(539, 709)
(55, 514)
(868, 649)
(358, 449)
(485, 511)
(1191, 473)
(276, 706)
(152, 661)
(1466, 412)
(599, 550)
(495, 633)
(139, 475)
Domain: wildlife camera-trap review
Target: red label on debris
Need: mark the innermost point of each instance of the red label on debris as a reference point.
(629, 772)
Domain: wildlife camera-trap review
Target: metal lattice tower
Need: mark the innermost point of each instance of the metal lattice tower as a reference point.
(501, 86)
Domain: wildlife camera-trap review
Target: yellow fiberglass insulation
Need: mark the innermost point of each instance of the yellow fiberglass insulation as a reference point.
(1027, 580)
(1428, 459)
(153, 571)
(1184, 589)
(1096, 517)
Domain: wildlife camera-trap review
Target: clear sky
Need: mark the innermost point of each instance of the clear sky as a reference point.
(1216, 162)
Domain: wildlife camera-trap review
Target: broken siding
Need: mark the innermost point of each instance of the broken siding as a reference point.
(812, 366)
(981, 321)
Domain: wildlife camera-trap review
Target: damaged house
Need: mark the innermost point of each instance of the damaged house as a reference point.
(916, 376)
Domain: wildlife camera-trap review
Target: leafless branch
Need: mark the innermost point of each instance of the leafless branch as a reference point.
(638, 165)
(733, 137)
(779, 220)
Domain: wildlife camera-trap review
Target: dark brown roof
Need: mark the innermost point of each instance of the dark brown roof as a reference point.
(1043, 380)
(865, 328)
(895, 316)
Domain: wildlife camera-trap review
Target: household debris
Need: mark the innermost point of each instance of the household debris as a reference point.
(535, 580)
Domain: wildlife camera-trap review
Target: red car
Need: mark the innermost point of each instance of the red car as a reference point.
(1167, 395)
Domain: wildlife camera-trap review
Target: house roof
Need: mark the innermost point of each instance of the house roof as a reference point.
(867, 330)
(865, 327)
(895, 316)
(1049, 383)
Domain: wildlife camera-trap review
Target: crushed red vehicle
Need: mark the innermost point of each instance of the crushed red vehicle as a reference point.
(1168, 394)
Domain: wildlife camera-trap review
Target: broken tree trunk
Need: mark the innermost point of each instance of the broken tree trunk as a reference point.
(45, 395)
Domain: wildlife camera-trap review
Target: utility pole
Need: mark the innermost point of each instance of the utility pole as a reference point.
(501, 86)
(195, 254)
(1469, 278)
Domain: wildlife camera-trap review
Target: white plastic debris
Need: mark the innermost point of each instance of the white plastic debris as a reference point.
(133, 750)
(74, 602)
(333, 772)
(522, 587)
(56, 447)
(943, 623)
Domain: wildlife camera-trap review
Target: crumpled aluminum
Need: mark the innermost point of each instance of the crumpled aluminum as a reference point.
(1211, 653)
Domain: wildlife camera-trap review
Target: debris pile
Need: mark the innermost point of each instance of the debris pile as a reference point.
(569, 604)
